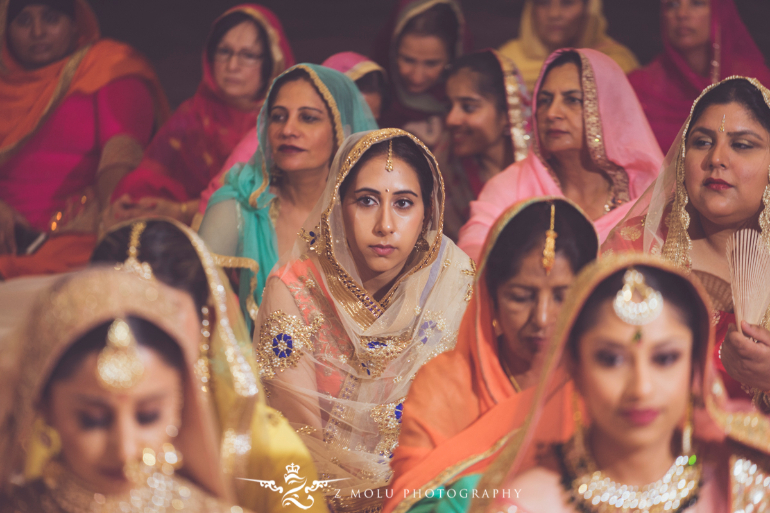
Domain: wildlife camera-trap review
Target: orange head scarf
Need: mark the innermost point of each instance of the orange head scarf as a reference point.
(27, 97)
(453, 427)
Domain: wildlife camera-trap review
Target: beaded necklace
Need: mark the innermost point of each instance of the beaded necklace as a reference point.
(591, 491)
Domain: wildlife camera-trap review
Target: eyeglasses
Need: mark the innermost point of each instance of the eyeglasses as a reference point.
(245, 58)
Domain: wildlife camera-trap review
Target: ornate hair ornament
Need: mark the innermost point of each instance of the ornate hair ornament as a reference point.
(132, 263)
(389, 162)
(118, 366)
(637, 313)
(549, 250)
(722, 126)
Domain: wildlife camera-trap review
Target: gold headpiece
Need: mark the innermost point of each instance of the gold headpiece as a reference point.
(389, 162)
(722, 126)
(641, 312)
(132, 263)
(118, 366)
(549, 250)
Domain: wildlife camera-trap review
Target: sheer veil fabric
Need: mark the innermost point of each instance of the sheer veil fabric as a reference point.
(337, 363)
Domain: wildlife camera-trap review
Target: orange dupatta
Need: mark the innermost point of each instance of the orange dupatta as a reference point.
(454, 427)
(28, 97)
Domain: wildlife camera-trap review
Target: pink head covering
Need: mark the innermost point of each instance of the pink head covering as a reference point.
(619, 140)
(667, 87)
(353, 65)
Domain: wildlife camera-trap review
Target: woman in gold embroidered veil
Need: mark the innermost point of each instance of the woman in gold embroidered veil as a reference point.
(370, 292)
(634, 337)
(257, 443)
(714, 181)
(97, 384)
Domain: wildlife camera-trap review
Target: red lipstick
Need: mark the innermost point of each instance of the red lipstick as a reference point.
(716, 184)
(641, 417)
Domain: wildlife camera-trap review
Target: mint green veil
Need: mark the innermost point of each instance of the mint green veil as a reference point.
(237, 226)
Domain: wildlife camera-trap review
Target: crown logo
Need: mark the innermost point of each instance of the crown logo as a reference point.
(292, 469)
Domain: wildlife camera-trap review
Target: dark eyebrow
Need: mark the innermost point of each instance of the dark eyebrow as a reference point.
(744, 132)
(572, 91)
(91, 400)
(468, 99)
(406, 191)
(605, 343)
(311, 108)
(704, 130)
(367, 189)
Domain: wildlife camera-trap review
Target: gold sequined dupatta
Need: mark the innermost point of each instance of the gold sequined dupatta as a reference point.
(338, 362)
(735, 428)
(225, 367)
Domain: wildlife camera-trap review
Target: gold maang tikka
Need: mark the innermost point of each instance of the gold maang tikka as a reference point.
(637, 313)
(549, 250)
(722, 126)
(132, 263)
(118, 366)
(389, 162)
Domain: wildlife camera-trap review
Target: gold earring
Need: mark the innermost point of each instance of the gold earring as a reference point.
(202, 365)
(46, 444)
(764, 217)
(422, 244)
(496, 328)
(687, 430)
(577, 417)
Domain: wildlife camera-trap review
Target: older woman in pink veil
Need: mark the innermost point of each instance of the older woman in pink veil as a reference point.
(592, 145)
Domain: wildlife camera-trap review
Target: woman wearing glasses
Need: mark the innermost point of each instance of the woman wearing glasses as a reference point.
(245, 51)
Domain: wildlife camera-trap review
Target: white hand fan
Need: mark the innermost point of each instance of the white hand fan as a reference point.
(749, 260)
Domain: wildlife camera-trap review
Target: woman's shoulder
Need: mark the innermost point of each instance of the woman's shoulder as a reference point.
(539, 489)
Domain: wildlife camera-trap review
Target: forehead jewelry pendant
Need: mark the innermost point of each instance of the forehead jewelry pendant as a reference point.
(722, 126)
(132, 263)
(549, 250)
(637, 313)
(389, 162)
(118, 366)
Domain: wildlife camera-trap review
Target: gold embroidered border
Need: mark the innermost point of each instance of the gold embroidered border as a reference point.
(451, 473)
(279, 61)
(336, 434)
(243, 263)
(364, 67)
(594, 135)
(515, 104)
(363, 309)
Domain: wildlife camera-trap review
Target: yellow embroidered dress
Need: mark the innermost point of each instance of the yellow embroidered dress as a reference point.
(337, 363)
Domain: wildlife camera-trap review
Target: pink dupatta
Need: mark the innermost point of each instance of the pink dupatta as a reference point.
(619, 140)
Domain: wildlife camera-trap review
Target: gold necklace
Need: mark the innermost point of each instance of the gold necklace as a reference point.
(508, 372)
(593, 492)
